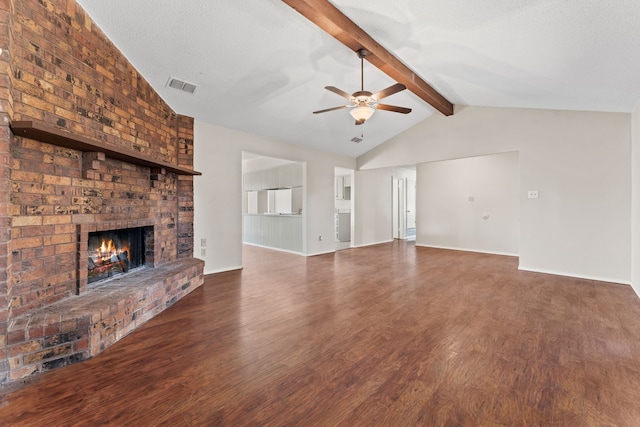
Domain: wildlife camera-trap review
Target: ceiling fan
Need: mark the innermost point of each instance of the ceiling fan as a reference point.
(364, 103)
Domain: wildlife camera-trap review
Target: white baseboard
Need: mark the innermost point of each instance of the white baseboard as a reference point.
(322, 253)
(373, 243)
(272, 248)
(468, 250)
(574, 275)
(222, 270)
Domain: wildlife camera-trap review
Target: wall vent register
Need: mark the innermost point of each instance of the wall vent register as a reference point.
(181, 85)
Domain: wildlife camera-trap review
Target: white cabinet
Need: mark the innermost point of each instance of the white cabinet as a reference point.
(340, 187)
(249, 181)
(252, 202)
(271, 179)
(343, 187)
(290, 175)
(260, 180)
(286, 176)
(257, 201)
(282, 201)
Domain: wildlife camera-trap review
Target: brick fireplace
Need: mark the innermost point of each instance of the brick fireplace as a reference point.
(86, 146)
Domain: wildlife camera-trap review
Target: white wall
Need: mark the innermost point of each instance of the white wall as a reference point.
(372, 207)
(469, 204)
(373, 204)
(578, 161)
(635, 209)
(218, 192)
(403, 172)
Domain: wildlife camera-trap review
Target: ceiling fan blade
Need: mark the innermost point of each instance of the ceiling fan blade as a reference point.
(330, 109)
(398, 87)
(338, 91)
(393, 108)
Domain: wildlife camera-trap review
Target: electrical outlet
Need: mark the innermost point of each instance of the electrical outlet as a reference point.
(203, 252)
(532, 194)
(203, 242)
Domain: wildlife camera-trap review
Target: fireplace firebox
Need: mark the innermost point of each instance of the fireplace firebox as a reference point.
(114, 252)
(108, 249)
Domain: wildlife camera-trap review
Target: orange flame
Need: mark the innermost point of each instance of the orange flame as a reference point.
(107, 249)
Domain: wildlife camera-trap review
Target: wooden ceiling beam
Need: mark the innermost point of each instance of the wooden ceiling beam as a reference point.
(326, 16)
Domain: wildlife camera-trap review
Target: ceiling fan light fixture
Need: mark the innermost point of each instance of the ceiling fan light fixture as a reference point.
(364, 103)
(362, 113)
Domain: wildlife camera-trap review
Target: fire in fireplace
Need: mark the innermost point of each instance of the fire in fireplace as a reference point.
(115, 252)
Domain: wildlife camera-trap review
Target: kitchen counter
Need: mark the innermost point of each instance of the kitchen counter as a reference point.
(277, 214)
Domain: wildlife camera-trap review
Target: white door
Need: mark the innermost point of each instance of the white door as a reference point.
(399, 207)
(411, 203)
(395, 223)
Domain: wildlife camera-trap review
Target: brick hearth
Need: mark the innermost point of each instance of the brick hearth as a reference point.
(112, 152)
(79, 327)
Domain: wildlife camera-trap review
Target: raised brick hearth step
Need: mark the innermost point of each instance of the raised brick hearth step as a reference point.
(82, 326)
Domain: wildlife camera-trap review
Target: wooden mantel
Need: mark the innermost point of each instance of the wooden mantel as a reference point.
(43, 132)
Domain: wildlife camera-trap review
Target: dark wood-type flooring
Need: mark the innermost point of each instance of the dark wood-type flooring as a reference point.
(389, 335)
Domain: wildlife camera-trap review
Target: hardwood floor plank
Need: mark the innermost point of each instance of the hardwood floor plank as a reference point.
(384, 335)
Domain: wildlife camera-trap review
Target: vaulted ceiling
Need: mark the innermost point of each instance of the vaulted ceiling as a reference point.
(261, 67)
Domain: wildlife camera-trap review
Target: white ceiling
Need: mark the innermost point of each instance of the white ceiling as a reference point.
(261, 67)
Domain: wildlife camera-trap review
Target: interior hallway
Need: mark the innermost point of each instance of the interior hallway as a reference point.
(388, 334)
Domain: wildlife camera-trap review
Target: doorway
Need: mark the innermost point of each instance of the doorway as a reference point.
(273, 199)
(403, 190)
(343, 207)
(410, 192)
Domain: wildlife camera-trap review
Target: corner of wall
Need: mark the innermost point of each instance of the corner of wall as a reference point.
(635, 199)
(185, 187)
(6, 113)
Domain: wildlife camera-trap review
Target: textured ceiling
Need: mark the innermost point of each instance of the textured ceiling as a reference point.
(261, 67)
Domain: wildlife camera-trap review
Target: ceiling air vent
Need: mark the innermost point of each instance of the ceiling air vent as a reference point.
(356, 140)
(181, 85)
